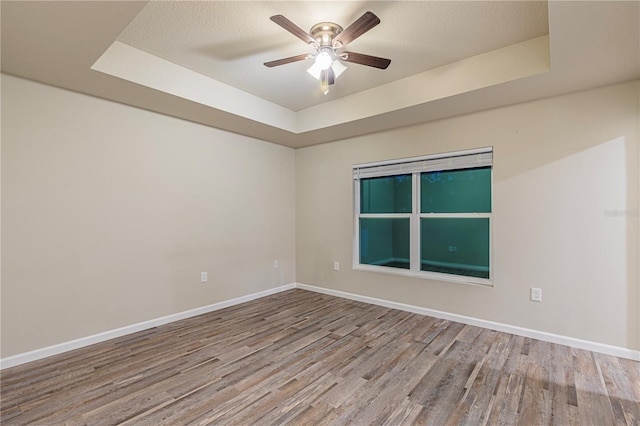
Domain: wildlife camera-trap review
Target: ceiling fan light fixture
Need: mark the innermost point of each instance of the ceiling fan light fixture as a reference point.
(315, 71)
(338, 68)
(324, 82)
(324, 59)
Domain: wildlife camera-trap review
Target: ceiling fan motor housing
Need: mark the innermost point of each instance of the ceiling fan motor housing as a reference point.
(325, 32)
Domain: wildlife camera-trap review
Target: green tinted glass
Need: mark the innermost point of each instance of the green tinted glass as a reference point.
(456, 191)
(384, 242)
(389, 194)
(457, 246)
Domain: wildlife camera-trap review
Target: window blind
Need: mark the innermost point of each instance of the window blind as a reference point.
(482, 157)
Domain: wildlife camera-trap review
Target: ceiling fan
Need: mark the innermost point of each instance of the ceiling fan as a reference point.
(327, 38)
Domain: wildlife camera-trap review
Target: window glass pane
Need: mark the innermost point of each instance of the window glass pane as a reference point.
(385, 242)
(456, 191)
(458, 246)
(388, 194)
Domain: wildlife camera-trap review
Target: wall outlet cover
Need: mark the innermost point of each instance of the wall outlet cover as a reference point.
(536, 294)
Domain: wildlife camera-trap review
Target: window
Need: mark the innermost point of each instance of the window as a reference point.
(426, 216)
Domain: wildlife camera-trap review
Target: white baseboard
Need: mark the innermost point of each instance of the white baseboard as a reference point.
(37, 354)
(512, 329)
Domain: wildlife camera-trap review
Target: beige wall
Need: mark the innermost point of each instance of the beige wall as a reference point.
(110, 213)
(566, 191)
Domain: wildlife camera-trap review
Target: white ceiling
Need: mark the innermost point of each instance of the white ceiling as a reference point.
(202, 61)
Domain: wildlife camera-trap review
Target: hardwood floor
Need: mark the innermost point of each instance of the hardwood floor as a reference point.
(304, 358)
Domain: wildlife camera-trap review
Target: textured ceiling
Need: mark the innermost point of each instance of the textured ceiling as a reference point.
(202, 61)
(229, 41)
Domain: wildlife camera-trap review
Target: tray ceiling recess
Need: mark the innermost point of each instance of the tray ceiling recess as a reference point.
(182, 48)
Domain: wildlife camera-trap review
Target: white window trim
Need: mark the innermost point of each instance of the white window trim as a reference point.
(409, 166)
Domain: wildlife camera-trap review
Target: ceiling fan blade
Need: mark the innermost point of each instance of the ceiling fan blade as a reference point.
(368, 60)
(287, 60)
(294, 29)
(355, 30)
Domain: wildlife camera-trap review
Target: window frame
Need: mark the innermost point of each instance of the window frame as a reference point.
(414, 219)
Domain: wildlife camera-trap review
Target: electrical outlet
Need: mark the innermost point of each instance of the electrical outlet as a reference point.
(336, 266)
(276, 264)
(203, 277)
(536, 294)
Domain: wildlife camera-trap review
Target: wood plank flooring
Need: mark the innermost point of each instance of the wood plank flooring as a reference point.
(303, 358)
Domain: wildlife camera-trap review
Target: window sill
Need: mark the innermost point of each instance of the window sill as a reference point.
(434, 276)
